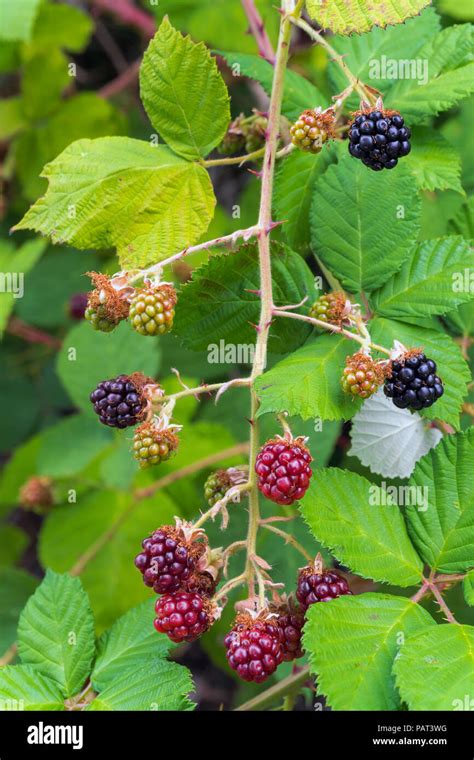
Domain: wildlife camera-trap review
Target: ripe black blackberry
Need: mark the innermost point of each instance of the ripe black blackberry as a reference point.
(254, 648)
(121, 401)
(379, 138)
(413, 383)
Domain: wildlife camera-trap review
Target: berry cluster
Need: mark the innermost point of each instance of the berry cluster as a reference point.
(152, 310)
(216, 486)
(312, 129)
(283, 469)
(183, 616)
(315, 584)
(379, 138)
(121, 401)
(362, 376)
(151, 445)
(332, 308)
(253, 646)
(413, 382)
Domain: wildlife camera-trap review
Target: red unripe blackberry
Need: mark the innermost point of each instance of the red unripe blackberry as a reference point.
(169, 557)
(290, 620)
(315, 584)
(413, 382)
(152, 309)
(379, 138)
(78, 305)
(362, 376)
(254, 648)
(37, 494)
(121, 401)
(183, 616)
(283, 469)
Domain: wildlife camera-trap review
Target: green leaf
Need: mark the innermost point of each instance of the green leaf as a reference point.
(16, 471)
(362, 224)
(24, 688)
(433, 161)
(468, 588)
(298, 94)
(462, 320)
(307, 383)
(110, 580)
(390, 441)
(169, 201)
(463, 222)
(132, 643)
(369, 56)
(347, 16)
(61, 25)
(434, 669)
(56, 632)
(350, 516)
(84, 115)
(296, 181)
(70, 445)
(15, 588)
(431, 281)
(45, 76)
(217, 305)
(461, 10)
(12, 118)
(452, 368)
(450, 77)
(14, 264)
(13, 542)
(352, 643)
(183, 93)
(17, 19)
(444, 532)
(157, 687)
(87, 357)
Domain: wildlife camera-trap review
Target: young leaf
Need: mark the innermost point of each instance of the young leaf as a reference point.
(427, 283)
(363, 224)
(444, 532)
(347, 16)
(24, 688)
(17, 19)
(169, 202)
(296, 180)
(56, 632)
(389, 440)
(298, 94)
(452, 368)
(61, 25)
(433, 161)
(434, 668)
(468, 588)
(99, 357)
(157, 687)
(354, 519)
(183, 93)
(450, 77)
(219, 305)
(352, 642)
(45, 76)
(307, 383)
(130, 644)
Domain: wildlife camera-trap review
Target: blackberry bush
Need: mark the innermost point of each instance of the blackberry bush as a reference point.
(285, 283)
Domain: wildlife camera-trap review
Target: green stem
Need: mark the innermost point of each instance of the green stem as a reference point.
(290, 684)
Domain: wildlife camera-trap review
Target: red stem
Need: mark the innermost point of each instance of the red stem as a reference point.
(128, 13)
(32, 334)
(257, 28)
(121, 82)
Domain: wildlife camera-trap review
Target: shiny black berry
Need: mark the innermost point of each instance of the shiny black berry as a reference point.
(379, 139)
(413, 383)
(118, 402)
